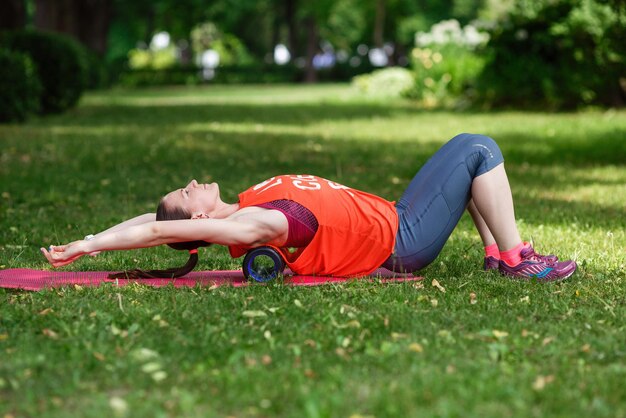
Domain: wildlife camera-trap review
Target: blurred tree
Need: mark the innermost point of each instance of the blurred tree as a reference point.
(379, 24)
(560, 53)
(12, 14)
(86, 20)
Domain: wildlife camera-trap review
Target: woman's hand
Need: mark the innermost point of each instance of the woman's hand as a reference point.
(61, 255)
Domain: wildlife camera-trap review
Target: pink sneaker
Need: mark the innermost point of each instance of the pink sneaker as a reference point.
(492, 263)
(535, 266)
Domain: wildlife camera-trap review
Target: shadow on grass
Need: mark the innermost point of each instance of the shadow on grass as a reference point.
(142, 169)
(596, 147)
(284, 114)
(149, 150)
(586, 149)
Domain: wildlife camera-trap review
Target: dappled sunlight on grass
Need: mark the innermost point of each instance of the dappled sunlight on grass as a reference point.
(250, 95)
(484, 345)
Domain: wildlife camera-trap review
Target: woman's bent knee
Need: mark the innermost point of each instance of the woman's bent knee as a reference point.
(482, 153)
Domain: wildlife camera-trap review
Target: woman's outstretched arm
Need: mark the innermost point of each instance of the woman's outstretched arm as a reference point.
(137, 220)
(252, 231)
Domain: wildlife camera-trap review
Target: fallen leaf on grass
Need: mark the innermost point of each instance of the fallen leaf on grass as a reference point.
(416, 347)
(547, 341)
(541, 381)
(472, 297)
(266, 360)
(585, 348)
(350, 324)
(162, 323)
(4, 337)
(397, 336)
(158, 376)
(46, 311)
(118, 405)
(151, 367)
(144, 354)
(434, 302)
(99, 356)
(253, 314)
(436, 284)
(445, 335)
(340, 352)
(297, 303)
(499, 334)
(50, 334)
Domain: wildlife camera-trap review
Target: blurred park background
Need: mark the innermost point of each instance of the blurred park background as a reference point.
(547, 54)
(105, 105)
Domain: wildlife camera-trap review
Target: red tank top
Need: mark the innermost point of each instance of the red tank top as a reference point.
(356, 231)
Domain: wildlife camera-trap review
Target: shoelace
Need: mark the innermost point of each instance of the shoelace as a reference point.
(530, 253)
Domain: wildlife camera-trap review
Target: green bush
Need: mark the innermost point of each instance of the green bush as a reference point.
(165, 77)
(97, 70)
(444, 74)
(446, 62)
(148, 59)
(61, 66)
(231, 50)
(387, 82)
(19, 85)
(233, 74)
(560, 54)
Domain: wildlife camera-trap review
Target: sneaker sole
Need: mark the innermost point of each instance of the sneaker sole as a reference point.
(555, 279)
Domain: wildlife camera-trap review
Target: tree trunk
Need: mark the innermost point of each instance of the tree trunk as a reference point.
(292, 33)
(93, 24)
(379, 24)
(310, 75)
(12, 14)
(86, 20)
(56, 16)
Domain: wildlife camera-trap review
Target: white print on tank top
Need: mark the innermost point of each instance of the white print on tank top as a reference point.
(302, 182)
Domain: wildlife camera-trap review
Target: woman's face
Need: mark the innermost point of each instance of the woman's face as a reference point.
(197, 199)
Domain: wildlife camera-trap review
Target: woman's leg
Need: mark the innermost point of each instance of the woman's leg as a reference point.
(436, 198)
(483, 230)
(492, 196)
(468, 167)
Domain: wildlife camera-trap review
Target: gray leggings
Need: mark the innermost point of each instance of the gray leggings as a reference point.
(432, 205)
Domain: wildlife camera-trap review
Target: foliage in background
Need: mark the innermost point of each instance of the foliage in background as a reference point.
(236, 74)
(230, 49)
(561, 54)
(99, 72)
(388, 82)
(161, 59)
(60, 62)
(19, 85)
(446, 63)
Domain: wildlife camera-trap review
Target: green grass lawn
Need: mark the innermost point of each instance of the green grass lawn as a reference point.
(359, 349)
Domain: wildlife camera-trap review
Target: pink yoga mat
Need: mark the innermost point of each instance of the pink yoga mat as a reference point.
(28, 279)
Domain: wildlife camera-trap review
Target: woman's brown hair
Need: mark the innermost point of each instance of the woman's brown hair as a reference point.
(168, 214)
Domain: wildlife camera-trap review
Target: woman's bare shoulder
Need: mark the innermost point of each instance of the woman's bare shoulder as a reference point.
(248, 212)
